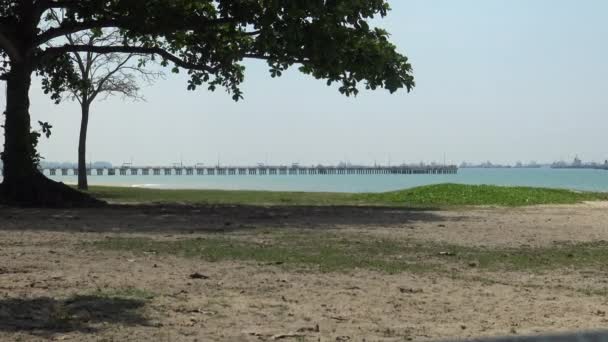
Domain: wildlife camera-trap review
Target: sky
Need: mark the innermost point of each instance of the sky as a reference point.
(499, 80)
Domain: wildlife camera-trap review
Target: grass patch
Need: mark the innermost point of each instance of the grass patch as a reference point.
(535, 259)
(442, 195)
(337, 253)
(478, 195)
(327, 253)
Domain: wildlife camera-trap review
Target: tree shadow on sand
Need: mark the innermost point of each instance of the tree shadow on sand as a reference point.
(47, 316)
(213, 218)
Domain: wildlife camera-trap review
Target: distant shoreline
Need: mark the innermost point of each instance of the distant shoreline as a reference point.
(572, 179)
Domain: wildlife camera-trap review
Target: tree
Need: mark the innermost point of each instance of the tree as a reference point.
(100, 75)
(329, 40)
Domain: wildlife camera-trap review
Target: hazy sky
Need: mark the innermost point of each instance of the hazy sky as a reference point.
(500, 80)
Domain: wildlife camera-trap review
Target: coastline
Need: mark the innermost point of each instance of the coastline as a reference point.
(571, 179)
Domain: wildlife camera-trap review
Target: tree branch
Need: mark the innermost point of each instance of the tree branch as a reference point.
(79, 60)
(55, 51)
(11, 50)
(101, 83)
(67, 29)
(75, 27)
(7, 42)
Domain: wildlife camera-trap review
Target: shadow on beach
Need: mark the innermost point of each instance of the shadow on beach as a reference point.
(210, 218)
(47, 316)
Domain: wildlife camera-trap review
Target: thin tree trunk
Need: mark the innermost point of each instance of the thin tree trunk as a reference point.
(82, 148)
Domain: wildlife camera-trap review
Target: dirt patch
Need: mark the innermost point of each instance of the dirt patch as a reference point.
(55, 285)
(509, 227)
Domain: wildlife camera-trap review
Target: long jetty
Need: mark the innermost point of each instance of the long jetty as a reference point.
(255, 170)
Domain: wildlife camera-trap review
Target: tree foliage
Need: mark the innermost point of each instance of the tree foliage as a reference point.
(328, 39)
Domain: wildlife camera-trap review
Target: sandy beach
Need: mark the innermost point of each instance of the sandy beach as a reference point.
(55, 284)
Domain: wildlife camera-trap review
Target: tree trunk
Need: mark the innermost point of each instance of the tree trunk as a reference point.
(23, 183)
(82, 148)
(18, 148)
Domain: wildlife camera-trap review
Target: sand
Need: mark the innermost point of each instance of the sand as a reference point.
(49, 277)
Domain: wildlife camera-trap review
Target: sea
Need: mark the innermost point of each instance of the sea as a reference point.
(573, 179)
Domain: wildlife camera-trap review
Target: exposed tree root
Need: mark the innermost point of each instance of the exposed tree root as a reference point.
(39, 191)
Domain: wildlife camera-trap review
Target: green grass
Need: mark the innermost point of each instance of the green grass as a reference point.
(327, 253)
(330, 252)
(478, 195)
(441, 195)
(535, 259)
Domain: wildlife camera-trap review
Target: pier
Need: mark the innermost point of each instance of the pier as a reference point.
(255, 170)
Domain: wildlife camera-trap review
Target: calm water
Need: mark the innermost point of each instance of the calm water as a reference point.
(590, 180)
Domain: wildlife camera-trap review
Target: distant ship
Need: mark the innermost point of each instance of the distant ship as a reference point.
(578, 164)
(489, 165)
(528, 166)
